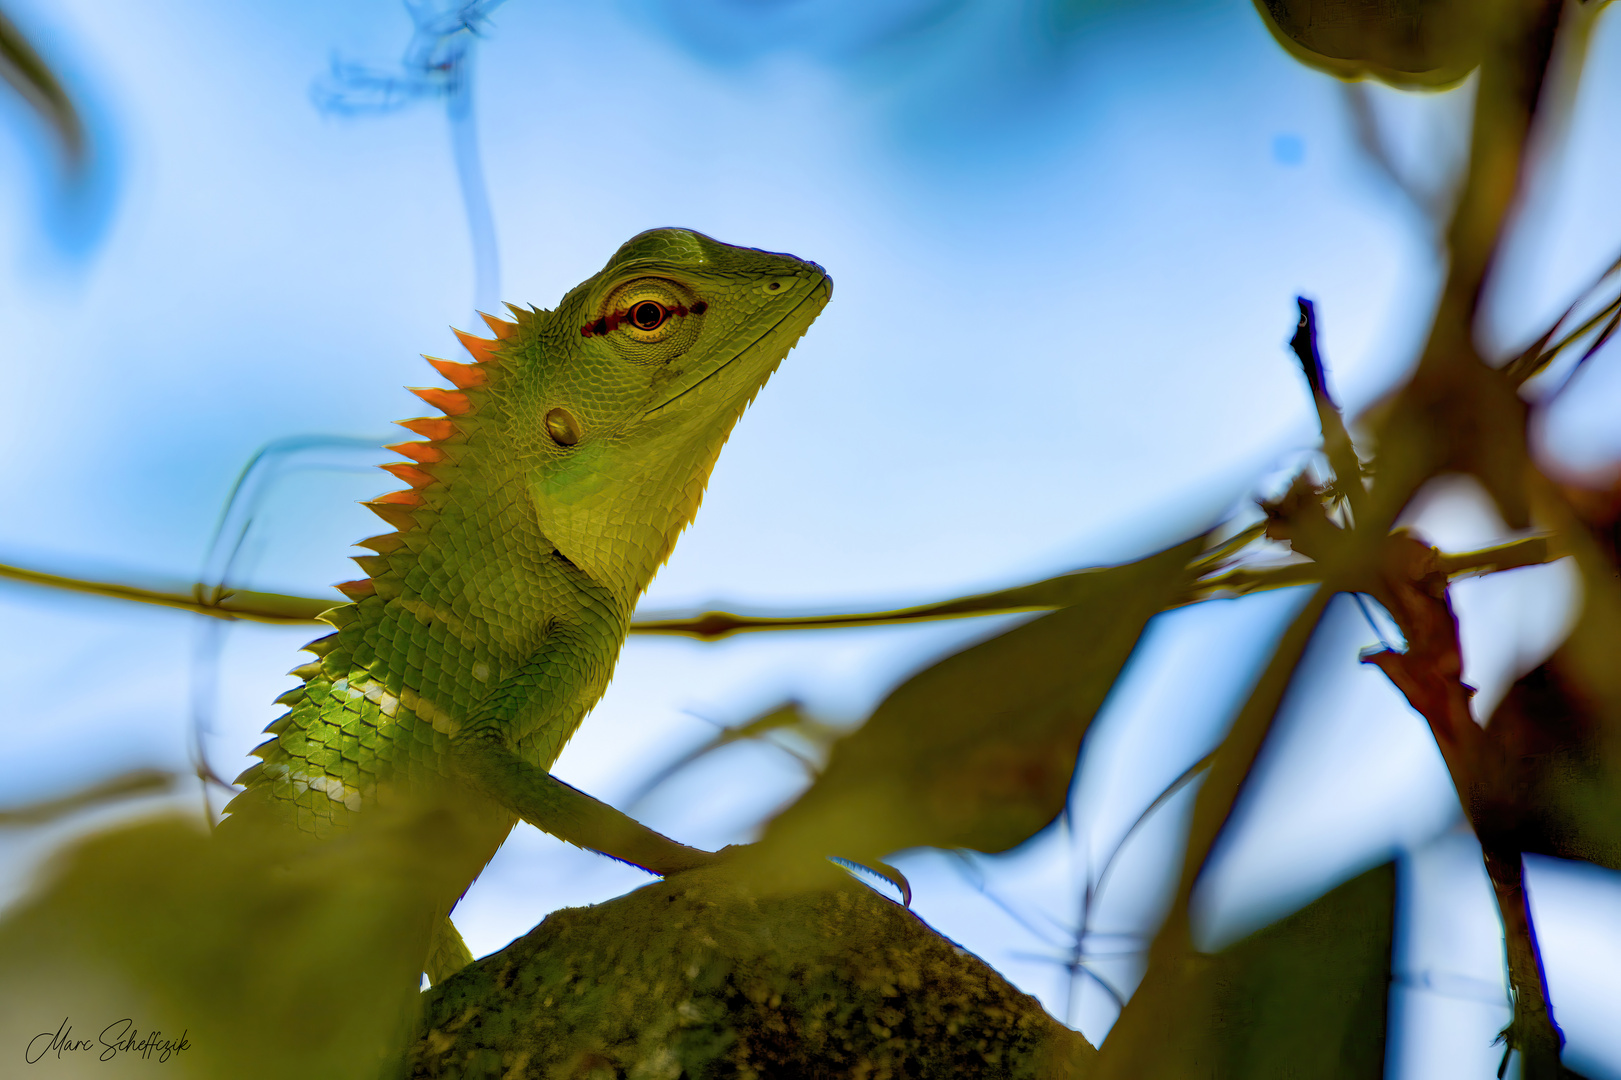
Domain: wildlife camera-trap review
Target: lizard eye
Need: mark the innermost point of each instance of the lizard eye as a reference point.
(648, 316)
(649, 320)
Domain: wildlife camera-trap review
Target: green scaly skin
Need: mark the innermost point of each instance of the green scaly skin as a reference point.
(571, 456)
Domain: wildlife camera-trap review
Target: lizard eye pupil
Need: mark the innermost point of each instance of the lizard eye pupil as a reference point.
(648, 316)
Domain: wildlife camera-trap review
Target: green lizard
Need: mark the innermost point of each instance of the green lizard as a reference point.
(570, 457)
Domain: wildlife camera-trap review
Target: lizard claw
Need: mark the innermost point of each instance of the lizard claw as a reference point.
(881, 870)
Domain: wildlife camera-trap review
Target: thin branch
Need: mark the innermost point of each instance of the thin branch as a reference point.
(1533, 1031)
(283, 609)
(1165, 796)
(31, 77)
(124, 786)
(1540, 354)
(1602, 340)
(1108, 987)
(236, 604)
(1229, 547)
(789, 716)
(970, 872)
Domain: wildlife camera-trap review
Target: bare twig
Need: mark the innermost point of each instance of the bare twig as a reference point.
(1337, 445)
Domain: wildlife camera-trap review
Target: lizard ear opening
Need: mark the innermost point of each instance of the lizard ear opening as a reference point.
(562, 427)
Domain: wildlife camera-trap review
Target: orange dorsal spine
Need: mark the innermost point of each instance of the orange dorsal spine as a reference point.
(383, 544)
(397, 507)
(483, 349)
(461, 376)
(429, 427)
(449, 402)
(499, 327)
(355, 590)
(409, 473)
(425, 452)
(402, 520)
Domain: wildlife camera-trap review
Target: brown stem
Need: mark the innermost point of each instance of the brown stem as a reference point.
(1533, 1031)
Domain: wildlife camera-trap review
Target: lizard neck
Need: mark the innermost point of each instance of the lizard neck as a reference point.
(469, 590)
(468, 613)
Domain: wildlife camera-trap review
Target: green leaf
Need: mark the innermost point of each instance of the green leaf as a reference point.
(1304, 997)
(977, 750)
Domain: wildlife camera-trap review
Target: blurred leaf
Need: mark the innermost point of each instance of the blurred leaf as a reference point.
(32, 78)
(1406, 43)
(1304, 997)
(275, 957)
(1560, 795)
(1558, 730)
(977, 750)
(1589, 522)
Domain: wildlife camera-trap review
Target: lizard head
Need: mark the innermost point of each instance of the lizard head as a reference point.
(621, 398)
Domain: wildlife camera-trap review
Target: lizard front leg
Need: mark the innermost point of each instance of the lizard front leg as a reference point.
(567, 812)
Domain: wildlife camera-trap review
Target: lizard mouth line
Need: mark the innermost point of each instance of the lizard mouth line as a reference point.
(818, 290)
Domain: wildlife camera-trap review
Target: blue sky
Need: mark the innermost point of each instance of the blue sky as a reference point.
(1065, 260)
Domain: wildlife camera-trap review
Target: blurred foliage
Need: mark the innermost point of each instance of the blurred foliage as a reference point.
(268, 955)
(274, 956)
(1307, 996)
(28, 74)
(1409, 43)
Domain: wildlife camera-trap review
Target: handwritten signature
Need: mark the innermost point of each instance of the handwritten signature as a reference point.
(118, 1037)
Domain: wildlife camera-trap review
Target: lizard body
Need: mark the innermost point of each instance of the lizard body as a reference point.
(571, 455)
